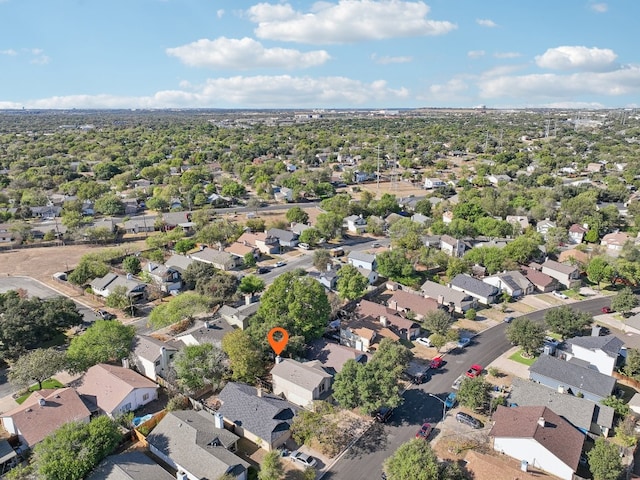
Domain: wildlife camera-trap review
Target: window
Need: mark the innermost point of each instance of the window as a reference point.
(145, 396)
(322, 387)
(158, 363)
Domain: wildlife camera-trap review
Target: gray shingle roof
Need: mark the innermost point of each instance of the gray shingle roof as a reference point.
(149, 348)
(133, 465)
(574, 376)
(266, 416)
(189, 438)
(282, 235)
(179, 262)
(362, 257)
(473, 285)
(304, 375)
(609, 344)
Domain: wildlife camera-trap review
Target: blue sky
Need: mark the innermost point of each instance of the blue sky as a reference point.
(327, 54)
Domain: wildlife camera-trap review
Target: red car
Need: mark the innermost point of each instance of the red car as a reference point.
(424, 431)
(436, 362)
(606, 310)
(474, 371)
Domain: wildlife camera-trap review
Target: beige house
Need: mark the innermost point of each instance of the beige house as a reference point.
(567, 275)
(300, 383)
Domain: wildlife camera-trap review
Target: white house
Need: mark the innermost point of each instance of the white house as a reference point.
(600, 352)
(152, 356)
(543, 226)
(362, 260)
(514, 283)
(484, 292)
(430, 183)
(538, 437)
(355, 223)
(300, 383)
(116, 390)
(452, 246)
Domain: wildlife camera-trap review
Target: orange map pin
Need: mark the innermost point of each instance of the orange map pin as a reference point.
(278, 345)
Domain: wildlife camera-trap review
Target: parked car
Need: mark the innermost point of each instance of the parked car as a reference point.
(437, 362)
(105, 315)
(474, 371)
(303, 459)
(304, 246)
(262, 270)
(424, 341)
(463, 342)
(383, 414)
(559, 294)
(376, 245)
(508, 319)
(607, 310)
(451, 400)
(467, 419)
(424, 431)
(457, 382)
(279, 264)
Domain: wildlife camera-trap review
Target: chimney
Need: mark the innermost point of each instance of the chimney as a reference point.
(541, 422)
(259, 391)
(441, 299)
(180, 475)
(278, 359)
(151, 266)
(42, 402)
(595, 331)
(329, 267)
(562, 389)
(248, 299)
(125, 363)
(384, 321)
(218, 420)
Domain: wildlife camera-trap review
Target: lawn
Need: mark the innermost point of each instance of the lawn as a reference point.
(50, 383)
(524, 360)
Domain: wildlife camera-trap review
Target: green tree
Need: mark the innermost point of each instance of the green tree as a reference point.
(197, 272)
(246, 364)
(119, 299)
(438, 321)
(474, 393)
(104, 341)
(249, 260)
(599, 270)
(271, 467)
(604, 460)
(131, 264)
(624, 301)
(297, 215)
(414, 460)
(251, 284)
(109, 204)
(184, 245)
(526, 334)
(567, 322)
(321, 258)
(317, 425)
(329, 225)
(37, 366)
(351, 283)
(87, 270)
(74, 449)
(233, 189)
(632, 363)
(199, 366)
(310, 236)
(220, 288)
(395, 265)
(621, 408)
(178, 308)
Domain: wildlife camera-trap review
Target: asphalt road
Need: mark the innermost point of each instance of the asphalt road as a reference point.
(365, 458)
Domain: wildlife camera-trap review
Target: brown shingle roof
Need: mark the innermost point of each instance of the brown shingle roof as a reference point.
(36, 422)
(538, 278)
(558, 436)
(375, 310)
(414, 302)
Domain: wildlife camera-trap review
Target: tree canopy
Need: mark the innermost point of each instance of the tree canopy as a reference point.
(526, 333)
(183, 306)
(566, 321)
(37, 366)
(104, 341)
(352, 284)
(198, 366)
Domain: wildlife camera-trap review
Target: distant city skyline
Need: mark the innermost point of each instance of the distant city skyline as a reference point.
(376, 54)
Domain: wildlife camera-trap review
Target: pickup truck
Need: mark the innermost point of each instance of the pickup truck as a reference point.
(474, 371)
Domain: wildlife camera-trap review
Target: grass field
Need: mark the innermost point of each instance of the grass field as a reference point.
(50, 383)
(524, 360)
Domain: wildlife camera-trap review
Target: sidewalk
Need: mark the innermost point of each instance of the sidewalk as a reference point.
(510, 367)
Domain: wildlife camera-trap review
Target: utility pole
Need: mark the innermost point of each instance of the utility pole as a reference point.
(378, 172)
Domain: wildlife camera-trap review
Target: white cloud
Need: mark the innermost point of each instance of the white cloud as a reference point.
(475, 53)
(244, 54)
(40, 60)
(486, 23)
(220, 13)
(577, 58)
(347, 21)
(386, 60)
(10, 52)
(624, 81)
(507, 54)
(599, 7)
(245, 92)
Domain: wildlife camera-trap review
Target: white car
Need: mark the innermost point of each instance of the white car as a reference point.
(303, 459)
(559, 295)
(279, 264)
(457, 382)
(424, 341)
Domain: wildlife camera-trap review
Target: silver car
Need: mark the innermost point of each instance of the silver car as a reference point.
(303, 459)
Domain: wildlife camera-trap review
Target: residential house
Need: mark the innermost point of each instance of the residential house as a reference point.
(285, 238)
(403, 327)
(577, 233)
(567, 275)
(283, 194)
(239, 250)
(221, 260)
(363, 260)
(131, 206)
(140, 224)
(6, 236)
(585, 415)
(614, 241)
(106, 285)
(197, 445)
(600, 352)
(263, 242)
(484, 292)
(329, 277)
(543, 226)
(361, 334)
(355, 224)
(497, 179)
(239, 316)
(259, 417)
(109, 224)
(43, 413)
(219, 201)
(520, 220)
(298, 228)
(115, 390)
(168, 279)
(452, 246)
(573, 256)
(301, 383)
(46, 211)
(447, 217)
(594, 167)
(537, 436)
(359, 177)
(454, 300)
(405, 302)
(543, 282)
(431, 241)
(483, 466)
(171, 220)
(206, 331)
(420, 219)
(332, 356)
(152, 356)
(513, 283)
(179, 262)
(430, 183)
(571, 378)
(133, 465)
